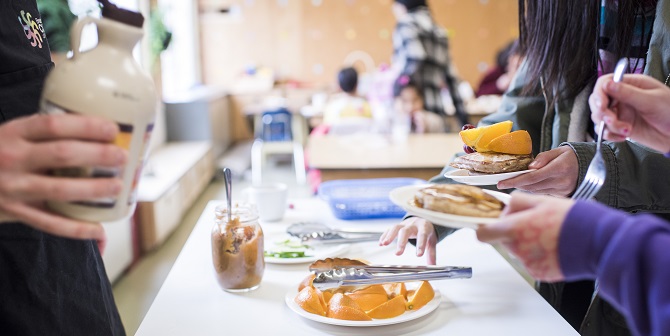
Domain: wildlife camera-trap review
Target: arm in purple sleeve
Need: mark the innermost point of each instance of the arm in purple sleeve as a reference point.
(628, 255)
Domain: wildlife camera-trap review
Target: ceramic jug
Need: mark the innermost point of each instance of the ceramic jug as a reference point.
(105, 81)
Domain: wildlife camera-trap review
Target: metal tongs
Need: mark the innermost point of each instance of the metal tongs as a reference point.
(360, 276)
(314, 232)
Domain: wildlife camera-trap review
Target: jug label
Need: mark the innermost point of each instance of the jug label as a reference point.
(123, 140)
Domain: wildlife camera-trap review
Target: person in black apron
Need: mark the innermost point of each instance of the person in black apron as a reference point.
(49, 284)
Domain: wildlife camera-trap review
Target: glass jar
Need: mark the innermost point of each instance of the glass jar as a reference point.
(237, 248)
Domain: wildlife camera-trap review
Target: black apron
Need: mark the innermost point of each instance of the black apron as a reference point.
(48, 285)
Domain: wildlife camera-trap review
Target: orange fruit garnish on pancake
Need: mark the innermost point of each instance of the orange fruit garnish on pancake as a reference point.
(480, 137)
(311, 300)
(517, 142)
(345, 308)
(392, 308)
(489, 133)
(369, 297)
(420, 297)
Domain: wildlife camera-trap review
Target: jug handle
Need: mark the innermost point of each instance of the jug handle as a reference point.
(75, 33)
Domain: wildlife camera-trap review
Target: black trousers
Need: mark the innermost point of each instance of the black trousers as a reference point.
(586, 311)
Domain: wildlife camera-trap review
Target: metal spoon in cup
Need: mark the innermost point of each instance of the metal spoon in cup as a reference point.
(227, 179)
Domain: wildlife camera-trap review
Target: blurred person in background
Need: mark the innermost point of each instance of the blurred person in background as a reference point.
(347, 103)
(497, 80)
(409, 103)
(421, 52)
(344, 113)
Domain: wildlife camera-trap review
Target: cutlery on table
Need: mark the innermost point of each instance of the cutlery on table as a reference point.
(314, 232)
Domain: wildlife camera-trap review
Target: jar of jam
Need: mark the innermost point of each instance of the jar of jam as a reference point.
(237, 248)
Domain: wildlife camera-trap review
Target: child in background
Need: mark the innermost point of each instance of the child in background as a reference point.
(346, 104)
(345, 113)
(409, 102)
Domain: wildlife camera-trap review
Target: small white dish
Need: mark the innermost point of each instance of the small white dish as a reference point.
(404, 197)
(463, 176)
(312, 254)
(406, 316)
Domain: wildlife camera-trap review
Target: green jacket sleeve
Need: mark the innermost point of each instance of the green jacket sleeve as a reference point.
(637, 177)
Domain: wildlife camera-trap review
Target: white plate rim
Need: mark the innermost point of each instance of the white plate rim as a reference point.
(489, 179)
(402, 196)
(331, 251)
(406, 316)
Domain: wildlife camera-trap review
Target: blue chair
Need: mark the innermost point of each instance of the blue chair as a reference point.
(275, 136)
(276, 125)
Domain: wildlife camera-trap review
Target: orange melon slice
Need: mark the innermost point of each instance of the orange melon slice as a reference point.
(489, 133)
(369, 297)
(472, 136)
(389, 309)
(307, 282)
(517, 142)
(396, 289)
(345, 308)
(421, 296)
(311, 300)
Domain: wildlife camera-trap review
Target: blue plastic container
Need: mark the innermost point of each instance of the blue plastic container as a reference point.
(364, 199)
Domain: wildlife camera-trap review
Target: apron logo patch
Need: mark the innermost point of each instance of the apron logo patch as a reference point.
(32, 28)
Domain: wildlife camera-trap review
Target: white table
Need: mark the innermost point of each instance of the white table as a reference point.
(496, 301)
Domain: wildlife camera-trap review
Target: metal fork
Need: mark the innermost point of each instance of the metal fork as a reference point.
(595, 174)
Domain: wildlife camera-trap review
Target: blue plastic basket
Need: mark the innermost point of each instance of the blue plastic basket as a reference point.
(364, 199)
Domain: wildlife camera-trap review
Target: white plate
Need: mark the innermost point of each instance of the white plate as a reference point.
(404, 197)
(463, 176)
(315, 253)
(406, 316)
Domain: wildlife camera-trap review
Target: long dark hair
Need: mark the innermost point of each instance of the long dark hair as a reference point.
(560, 40)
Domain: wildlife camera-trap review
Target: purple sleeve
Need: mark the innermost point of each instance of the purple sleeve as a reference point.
(628, 255)
(667, 155)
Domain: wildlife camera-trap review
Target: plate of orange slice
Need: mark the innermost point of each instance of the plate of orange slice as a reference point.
(376, 305)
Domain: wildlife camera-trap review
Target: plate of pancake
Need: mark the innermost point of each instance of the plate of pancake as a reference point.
(451, 205)
(472, 178)
(488, 168)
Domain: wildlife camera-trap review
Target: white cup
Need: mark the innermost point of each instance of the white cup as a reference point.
(319, 100)
(401, 128)
(270, 200)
